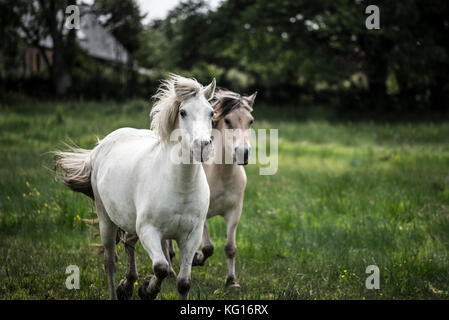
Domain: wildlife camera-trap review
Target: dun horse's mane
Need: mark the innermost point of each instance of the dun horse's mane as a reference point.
(168, 98)
(226, 101)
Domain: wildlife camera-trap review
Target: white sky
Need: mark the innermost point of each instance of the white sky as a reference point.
(158, 9)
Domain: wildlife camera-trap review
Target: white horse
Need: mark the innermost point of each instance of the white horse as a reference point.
(139, 189)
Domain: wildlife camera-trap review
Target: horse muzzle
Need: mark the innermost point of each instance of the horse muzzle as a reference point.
(241, 155)
(202, 149)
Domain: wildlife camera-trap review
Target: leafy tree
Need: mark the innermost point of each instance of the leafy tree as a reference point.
(124, 19)
(36, 21)
(294, 46)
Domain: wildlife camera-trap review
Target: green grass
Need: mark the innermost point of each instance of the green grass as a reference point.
(346, 195)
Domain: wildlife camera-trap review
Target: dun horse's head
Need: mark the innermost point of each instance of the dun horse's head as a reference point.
(233, 119)
(183, 112)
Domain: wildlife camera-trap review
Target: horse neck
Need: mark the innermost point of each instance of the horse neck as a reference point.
(184, 174)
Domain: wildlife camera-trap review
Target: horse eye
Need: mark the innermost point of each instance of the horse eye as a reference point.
(228, 122)
(183, 113)
(212, 114)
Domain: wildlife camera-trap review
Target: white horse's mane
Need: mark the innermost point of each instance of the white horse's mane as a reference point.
(168, 98)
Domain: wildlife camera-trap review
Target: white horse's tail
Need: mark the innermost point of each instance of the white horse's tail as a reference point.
(76, 165)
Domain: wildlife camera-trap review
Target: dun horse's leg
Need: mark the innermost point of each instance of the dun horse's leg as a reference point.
(166, 248)
(108, 232)
(187, 248)
(152, 243)
(231, 248)
(207, 249)
(171, 249)
(126, 286)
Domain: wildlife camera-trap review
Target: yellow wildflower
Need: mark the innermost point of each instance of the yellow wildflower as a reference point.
(27, 184)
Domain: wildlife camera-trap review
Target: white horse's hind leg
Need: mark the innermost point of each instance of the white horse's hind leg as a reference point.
(126, 286)
(207, 249)
(187, 248)
(108, 233)
(152, 243)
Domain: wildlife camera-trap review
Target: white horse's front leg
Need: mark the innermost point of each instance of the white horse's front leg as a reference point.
(187, 248)
(151, 241)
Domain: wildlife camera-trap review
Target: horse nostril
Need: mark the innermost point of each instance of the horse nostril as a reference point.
(205, 143)
(242, 155)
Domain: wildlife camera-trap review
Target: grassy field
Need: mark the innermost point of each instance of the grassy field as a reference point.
(346, 195)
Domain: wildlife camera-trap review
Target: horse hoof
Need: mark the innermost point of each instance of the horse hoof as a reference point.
(145, 290)
(198, 259)
(124, 290)
(233, 286)
(232, 283)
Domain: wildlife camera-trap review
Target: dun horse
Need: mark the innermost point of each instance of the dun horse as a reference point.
(138, 188)
(227, 181)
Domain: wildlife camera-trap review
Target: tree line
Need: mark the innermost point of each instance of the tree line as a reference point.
(291, 51)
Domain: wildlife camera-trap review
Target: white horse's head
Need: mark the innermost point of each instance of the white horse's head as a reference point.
(183, 105)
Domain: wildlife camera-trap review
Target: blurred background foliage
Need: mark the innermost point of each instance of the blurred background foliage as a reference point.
(293, 52)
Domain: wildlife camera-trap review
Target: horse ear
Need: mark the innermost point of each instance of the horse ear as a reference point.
(251, 99)
(209, 91)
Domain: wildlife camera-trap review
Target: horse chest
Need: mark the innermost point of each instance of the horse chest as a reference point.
(222, 200)
(179, 214)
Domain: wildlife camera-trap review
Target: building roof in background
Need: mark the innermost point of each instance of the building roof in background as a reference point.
(99, 42)
(95, 39)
